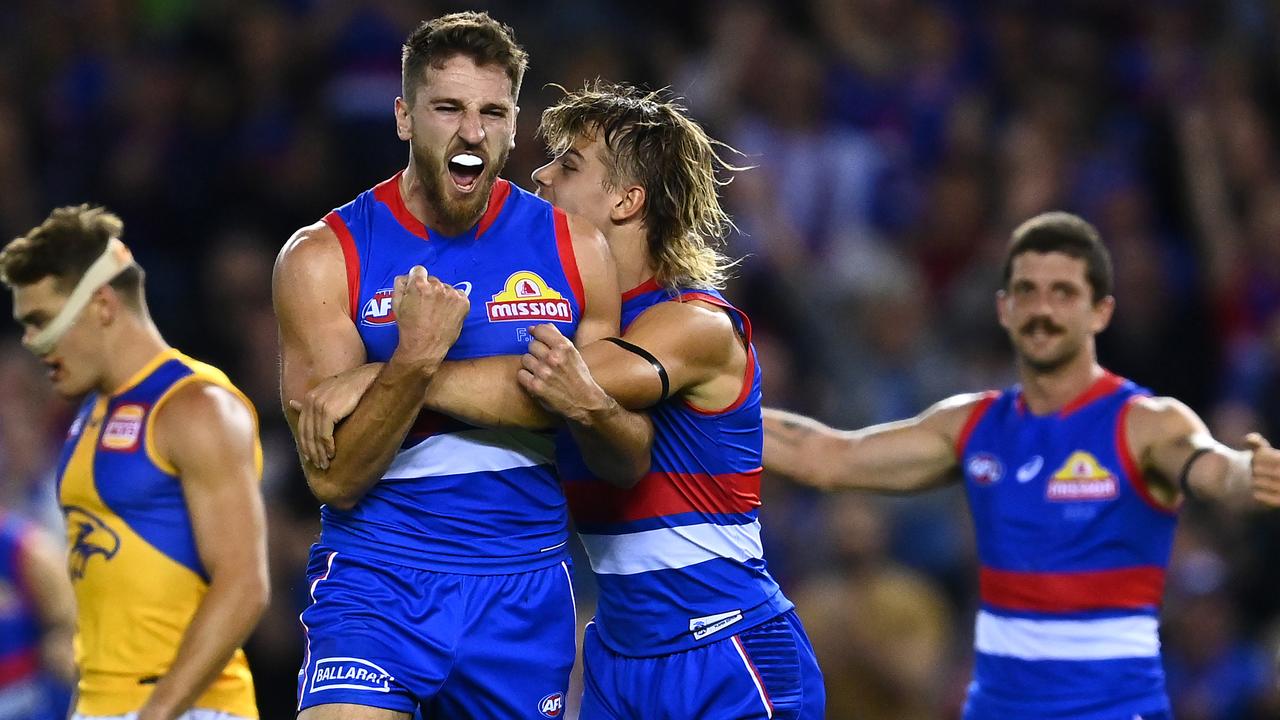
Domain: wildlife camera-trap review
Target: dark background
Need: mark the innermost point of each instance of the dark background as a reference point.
(896, 142)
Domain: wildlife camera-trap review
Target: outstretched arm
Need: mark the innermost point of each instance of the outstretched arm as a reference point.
(899, 457)
(1173, 446)
(318, 341)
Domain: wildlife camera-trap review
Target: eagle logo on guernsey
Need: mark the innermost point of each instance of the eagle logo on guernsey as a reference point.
(88, 536)
(1082, 477)
(526, 297)
(124, 429)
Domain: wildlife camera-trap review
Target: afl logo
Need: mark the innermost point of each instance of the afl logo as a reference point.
(985, 468)
(377, 311)
(552, 705)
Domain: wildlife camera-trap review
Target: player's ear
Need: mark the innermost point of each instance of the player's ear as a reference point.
(1102, 312)
(404, 121)
(629, 205)
(1002, 301)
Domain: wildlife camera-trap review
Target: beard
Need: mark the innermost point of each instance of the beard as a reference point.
(452, 214)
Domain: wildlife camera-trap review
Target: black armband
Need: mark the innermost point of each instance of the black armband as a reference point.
(662, 372)
(1183, 477)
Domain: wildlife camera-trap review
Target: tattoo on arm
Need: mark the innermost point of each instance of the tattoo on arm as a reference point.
(792, 432)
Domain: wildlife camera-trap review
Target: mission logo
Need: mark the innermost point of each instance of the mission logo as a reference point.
(527, 297)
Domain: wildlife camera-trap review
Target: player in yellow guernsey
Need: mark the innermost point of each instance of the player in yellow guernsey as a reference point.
(158, 481)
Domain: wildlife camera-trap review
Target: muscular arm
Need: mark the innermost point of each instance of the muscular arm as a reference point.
(906, 456)
(210, 436)
(318, 340)
(1164, 434)
(44, 574)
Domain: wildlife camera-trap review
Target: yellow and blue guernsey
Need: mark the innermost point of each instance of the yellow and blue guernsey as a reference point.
(131, 548)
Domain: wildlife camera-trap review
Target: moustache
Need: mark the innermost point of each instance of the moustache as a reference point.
(1041, 323)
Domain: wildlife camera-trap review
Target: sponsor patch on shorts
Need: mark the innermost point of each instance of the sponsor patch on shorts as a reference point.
(347, 673)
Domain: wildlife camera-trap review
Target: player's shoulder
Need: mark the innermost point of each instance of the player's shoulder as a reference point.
(311, 268)
(1151, 417)
(203, 415)
(964, 403)
(312, 244)
(950, 415)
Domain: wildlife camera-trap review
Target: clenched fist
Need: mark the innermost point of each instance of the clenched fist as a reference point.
(429, 314)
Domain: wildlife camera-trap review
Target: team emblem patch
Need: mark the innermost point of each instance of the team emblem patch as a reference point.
(525, 297)
(377, 310)
(124, 429)
(552, 705)
(711, 624)
(985, 468)
(348, 673)
(87, 536)
(1082, 477)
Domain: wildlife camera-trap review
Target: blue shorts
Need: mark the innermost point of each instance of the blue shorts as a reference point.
(768, 671)
(453, 646)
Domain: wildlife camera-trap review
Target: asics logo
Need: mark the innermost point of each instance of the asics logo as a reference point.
(1031, 469)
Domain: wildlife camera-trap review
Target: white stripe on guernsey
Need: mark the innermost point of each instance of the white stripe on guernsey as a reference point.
(755, 679)
(471, 451)
(672, 548)
(1101, 639)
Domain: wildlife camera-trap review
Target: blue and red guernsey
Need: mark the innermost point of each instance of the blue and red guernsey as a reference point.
(459, 498)
(1073, 552)
(19, 624)
(678, 557)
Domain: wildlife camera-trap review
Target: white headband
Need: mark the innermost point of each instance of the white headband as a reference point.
(109, 264)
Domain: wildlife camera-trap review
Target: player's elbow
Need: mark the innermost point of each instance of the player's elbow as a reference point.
(330, 490)
(627, 474)
(254, 592)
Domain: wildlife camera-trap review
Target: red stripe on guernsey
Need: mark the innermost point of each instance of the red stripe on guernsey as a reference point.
(569, 260)
(387, 192)
(645, 287)
(497, 197)
(1128, 588)
(1102, 387)
(1132, 472)
(975, 415)
(659, 494)
(350, 257)
(18, 666)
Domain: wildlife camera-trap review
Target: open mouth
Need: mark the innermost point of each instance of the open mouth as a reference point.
(465, 170)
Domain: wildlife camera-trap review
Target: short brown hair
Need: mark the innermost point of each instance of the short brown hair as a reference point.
(473, 34)
(63, 247)
(1071, 235)
(650, 141)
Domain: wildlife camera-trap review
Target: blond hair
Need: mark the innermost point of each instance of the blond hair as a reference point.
(651, 141)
